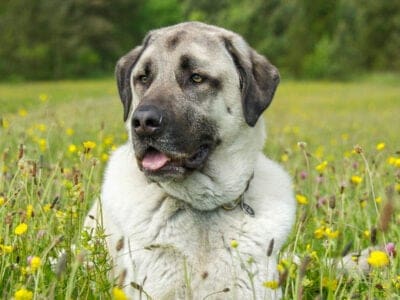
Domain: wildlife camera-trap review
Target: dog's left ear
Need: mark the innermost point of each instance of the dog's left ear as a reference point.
(123, 71)
(258, 78)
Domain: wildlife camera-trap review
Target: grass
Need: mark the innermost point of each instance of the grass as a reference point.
(348, 196)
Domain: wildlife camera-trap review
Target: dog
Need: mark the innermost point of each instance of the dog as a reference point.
(191, 207)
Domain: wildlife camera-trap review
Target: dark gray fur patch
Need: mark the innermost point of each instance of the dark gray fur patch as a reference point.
(174, 40)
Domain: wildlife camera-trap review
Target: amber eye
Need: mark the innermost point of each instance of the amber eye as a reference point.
(196, 78)
(144, 79)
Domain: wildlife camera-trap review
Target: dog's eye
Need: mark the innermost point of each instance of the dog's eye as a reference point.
(196, 78)
(144, 79)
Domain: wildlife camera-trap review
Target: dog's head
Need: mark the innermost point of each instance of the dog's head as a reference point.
(188, 89)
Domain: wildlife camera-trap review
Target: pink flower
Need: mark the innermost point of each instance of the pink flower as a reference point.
(390, 249)
(303, 175)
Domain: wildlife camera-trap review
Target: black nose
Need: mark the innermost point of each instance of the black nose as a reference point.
(147, 120)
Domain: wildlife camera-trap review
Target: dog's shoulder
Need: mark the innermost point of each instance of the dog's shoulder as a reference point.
(271, 196)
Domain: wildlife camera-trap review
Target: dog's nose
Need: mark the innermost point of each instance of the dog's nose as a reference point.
(147, 120)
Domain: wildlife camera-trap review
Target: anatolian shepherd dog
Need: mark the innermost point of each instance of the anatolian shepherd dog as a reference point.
(191, 207)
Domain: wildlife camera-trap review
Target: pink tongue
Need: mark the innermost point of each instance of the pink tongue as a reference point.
(154, 161)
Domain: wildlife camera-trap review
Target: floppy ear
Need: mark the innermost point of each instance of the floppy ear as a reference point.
(123, 71)
(258, 78)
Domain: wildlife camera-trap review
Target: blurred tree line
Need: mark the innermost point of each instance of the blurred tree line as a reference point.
(52, 39)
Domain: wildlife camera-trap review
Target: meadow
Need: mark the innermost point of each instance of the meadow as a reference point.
(340, 142)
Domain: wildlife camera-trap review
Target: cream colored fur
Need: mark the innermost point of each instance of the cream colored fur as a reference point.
(177, 237)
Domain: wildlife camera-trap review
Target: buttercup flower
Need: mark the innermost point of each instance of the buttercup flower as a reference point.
(234, 243)
(43, 97)
(23, 294)
(356, 179)
(378, 259)
(89, 144)
(69, 131)
(72, 148)
(271, 284)
(322, 166)
(21, 229)
(42, 144)
(5, 249)
(104, 157)
(301, 199)
(284, 157)
(119, 294)
(22, 112)
(380, 146)
(35, 262)
(29, 211)
(319, 233)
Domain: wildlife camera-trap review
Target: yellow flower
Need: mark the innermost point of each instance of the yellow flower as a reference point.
(394, 161)
(89, 144)
(331, 284)
(280, 268)
(271, 284)
(22, 112)
(301, 199)
(380, 146)
(284, 157)
(43, 97)
(104, 157)
(108, 140)
(367, 234)
(35, 263)
(319, 233)
(319, 153)
(23, 294)
(29, 211)
(378, 259)
(356, 179)
(4, 123)
(72, 148)
(234, 244)
(21, 229)
(363, 203)
(47, 207)
(41, 127)
(331, 234)
(397, 162)
(119, 294)
(2, 200)
(5, 249)
(69, 131)
(322, 166)
(378, 200)
(42, 144)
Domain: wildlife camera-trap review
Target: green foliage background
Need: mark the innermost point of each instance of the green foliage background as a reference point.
(43, 39)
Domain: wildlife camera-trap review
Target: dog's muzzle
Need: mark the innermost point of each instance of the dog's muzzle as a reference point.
(164, 147)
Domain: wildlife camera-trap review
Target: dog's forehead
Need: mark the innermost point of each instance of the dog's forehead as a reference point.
(196, 39)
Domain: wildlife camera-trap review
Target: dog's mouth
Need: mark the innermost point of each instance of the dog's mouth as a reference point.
(154, 162)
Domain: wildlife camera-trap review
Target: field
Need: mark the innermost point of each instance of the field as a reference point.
(339, 141)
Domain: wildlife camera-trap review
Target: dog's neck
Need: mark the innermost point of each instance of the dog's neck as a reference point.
(223, 180)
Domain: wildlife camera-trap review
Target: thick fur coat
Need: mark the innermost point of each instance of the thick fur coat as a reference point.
(172, 197)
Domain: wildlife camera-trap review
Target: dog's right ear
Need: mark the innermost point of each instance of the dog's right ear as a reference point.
(123, 71)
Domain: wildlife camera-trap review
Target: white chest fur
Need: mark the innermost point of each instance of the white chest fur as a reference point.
(174, 251)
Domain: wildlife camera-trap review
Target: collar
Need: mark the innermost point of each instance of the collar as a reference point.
(240, 200)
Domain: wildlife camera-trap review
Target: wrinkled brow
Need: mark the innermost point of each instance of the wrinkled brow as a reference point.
(189, 62)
